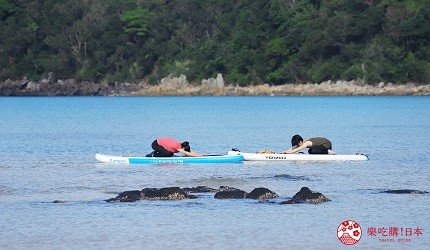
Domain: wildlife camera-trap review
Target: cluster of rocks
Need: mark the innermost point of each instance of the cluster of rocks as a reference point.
(68, 87)
(234, 193)
(305, 195)
(170, 193)
(180, 86)
(216, 86)
(349, 88)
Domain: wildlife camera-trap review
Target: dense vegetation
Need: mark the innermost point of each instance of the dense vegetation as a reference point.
(248, 41)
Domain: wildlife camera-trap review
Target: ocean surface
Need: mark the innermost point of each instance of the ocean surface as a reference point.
(47, 148)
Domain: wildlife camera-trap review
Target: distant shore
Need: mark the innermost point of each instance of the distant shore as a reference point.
(179, 86)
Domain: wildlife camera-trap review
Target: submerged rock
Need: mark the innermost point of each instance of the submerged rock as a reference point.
(404, 191)
(59, 201)
(230, 193)
(305, 195)
(292, 177)
(267, 202)
(261, 194)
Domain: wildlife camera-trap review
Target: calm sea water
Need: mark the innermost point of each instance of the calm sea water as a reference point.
(47, 148)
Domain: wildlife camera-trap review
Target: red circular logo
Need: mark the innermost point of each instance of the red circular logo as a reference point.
(349, 232)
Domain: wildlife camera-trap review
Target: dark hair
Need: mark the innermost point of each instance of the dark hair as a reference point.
(295, 140)
(186, 146)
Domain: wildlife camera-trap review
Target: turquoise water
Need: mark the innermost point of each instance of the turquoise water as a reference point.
(47, 148)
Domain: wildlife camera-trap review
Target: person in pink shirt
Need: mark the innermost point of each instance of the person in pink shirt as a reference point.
(167, 147)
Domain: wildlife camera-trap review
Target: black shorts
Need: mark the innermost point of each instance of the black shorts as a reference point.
(321, 150)
(159, 151)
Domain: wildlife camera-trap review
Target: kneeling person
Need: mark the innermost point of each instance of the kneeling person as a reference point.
(317, 145)
(166, 147)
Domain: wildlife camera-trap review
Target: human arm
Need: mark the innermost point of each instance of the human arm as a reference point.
(296, 149)
(288, 151)
(191, 153)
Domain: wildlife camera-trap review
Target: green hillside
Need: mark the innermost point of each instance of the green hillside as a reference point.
(248, 41)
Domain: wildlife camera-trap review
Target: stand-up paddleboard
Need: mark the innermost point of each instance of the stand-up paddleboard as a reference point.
(158, 160)
(298, 157)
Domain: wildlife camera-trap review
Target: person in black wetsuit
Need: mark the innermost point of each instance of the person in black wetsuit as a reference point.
(316, 145)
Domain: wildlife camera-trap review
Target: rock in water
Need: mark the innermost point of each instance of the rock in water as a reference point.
(292, 177)
(230, 193)
(305, 195)
(127, 196)
(169, 193)
(59, 201)
(261, 194)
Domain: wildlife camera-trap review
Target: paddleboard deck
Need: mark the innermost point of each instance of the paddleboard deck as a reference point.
(160, 160)
(298, 157)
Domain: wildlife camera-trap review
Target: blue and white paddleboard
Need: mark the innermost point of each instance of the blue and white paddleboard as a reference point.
(159, 160)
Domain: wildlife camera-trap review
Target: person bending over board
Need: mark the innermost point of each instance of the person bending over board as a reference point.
(317, 145)
(166, 147)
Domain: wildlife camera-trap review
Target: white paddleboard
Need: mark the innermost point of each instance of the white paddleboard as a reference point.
(298, 157)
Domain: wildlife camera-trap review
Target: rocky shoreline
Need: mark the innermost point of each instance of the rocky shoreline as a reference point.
(180, 86)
